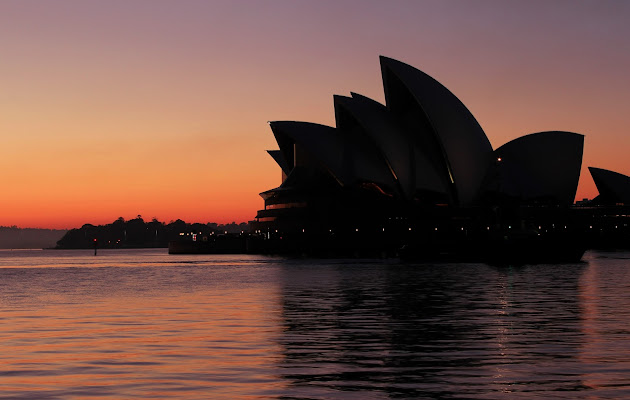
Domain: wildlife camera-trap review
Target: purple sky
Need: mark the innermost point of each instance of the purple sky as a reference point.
(159, 108)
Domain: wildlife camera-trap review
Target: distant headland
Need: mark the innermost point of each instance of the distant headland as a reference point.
(13, 237)
(137, 233)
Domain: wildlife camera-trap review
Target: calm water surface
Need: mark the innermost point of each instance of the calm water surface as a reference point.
(145, 324)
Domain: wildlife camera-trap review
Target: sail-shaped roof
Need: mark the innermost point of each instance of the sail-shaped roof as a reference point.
(365, 124)
(613, 187)
(425, 146)
(540, 166)
(449, 134)
(322, 142)
(278, 157)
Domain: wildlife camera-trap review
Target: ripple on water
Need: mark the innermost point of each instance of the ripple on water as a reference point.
(141, 324)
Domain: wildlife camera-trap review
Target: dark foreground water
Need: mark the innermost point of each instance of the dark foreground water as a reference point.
(143, 324)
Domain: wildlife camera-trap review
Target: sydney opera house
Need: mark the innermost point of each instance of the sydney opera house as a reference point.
(419, 172)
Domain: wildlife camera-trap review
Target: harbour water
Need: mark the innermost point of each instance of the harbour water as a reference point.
(145, 324)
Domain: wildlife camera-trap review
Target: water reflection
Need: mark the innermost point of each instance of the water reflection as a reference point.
(605, 300)
(141, 324)
(197, 329)
(365, 331)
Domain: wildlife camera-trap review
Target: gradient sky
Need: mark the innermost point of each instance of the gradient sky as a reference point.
(159, 108)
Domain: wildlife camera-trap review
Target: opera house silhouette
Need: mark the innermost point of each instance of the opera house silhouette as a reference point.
(419, 173)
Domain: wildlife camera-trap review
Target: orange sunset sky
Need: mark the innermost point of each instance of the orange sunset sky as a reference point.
(160, 108)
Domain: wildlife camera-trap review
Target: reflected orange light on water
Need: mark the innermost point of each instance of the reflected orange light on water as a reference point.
(604, 320)
(206, 339)
(141, 323)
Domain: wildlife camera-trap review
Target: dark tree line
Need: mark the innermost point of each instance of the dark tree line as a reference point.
(136, 233)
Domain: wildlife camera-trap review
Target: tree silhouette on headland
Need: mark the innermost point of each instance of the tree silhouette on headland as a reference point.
(136, 233)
